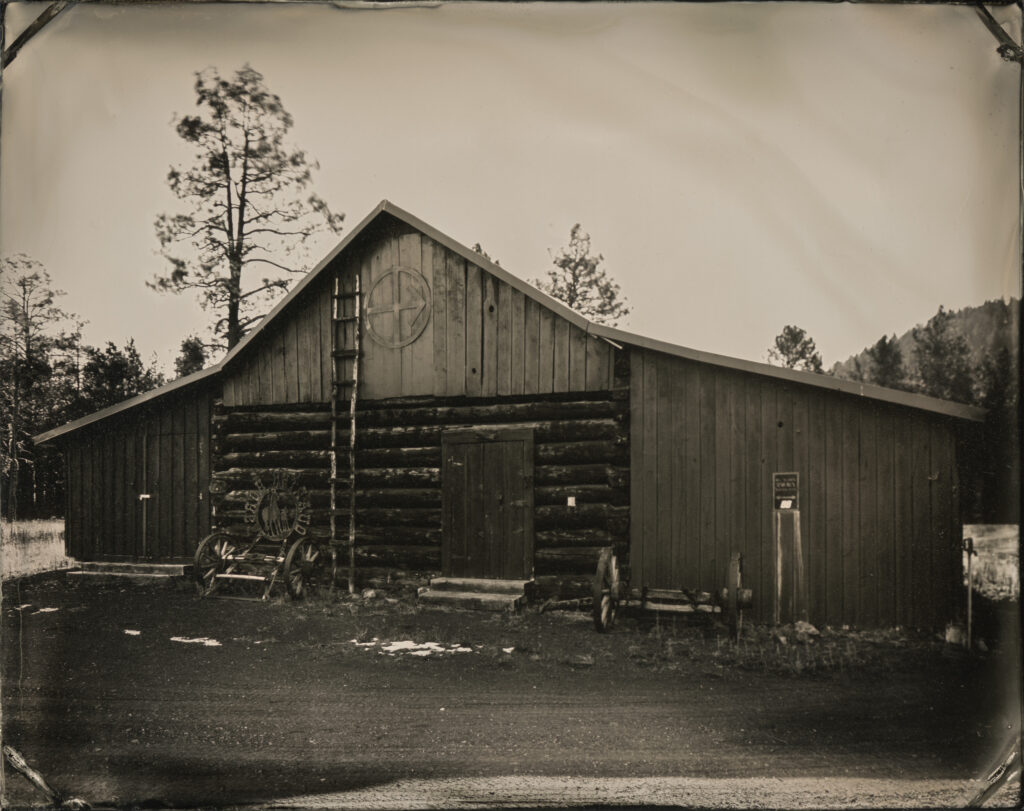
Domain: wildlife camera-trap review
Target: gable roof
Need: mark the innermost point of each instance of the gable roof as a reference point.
(615, 336)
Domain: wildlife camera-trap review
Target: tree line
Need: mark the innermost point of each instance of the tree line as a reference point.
(49, 376)
(942, 362)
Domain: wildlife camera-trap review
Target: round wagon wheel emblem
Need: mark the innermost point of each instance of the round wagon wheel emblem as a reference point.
(398, 307)
(278, 510)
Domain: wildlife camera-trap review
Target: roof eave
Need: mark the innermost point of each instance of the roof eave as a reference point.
(618, 336)
(822, 381)
(139, 399)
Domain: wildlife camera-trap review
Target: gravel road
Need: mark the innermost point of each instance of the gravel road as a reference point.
(145, 696)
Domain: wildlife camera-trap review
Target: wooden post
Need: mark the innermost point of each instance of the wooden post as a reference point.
(786, 499)
(144, 495)
(333, 458)
(357, 340)
(777, 602)
(733, 584)
(969, 547)
(799, 586)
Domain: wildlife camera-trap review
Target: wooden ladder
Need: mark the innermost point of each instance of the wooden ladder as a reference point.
(346, 308)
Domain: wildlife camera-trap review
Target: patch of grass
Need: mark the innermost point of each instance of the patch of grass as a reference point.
(30, 547)
(49, 530)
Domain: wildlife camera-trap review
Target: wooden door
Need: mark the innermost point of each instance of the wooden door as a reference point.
(487, 504)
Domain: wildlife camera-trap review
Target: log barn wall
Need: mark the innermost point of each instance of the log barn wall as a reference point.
(162, 450)
(580, 450)
(879, 495)
(488, 356)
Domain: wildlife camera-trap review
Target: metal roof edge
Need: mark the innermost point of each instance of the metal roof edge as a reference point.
(613, 334)
(125, 405)
(399, 213)
(304, 282)
(824, 381)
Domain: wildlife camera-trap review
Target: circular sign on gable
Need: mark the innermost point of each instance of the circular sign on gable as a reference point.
(398, 307)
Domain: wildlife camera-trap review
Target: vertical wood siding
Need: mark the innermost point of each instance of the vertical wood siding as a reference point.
(483, 338)
(163, 450)
(290, 361)
(879, 515)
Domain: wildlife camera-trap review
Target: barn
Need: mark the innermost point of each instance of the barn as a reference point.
(500, 435)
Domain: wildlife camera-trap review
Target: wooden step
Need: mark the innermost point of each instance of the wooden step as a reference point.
(472, 600)
(478, 584)
(147, 569)
(234, 576)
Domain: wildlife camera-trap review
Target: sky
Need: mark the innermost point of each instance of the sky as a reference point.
(741, 167)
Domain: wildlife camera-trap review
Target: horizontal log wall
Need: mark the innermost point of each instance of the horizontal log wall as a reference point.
(879, 513)
(581, 450)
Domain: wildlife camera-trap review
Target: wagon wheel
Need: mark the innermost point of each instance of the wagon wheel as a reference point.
(606, 590)
(303, 565)
(211, 560)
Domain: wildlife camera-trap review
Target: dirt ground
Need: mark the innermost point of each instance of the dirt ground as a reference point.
(149, 696)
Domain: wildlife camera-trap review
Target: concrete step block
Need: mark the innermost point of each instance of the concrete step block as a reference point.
(471, 600)
(478, 585)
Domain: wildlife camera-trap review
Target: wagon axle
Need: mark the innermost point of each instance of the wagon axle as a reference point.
(611, 587)
(278, 515)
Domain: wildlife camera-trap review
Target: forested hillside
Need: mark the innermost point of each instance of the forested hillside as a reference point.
(992, 324)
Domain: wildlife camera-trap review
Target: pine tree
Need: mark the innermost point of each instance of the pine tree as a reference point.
(794, 349)
(192, 357)
(112, 375)
(886, 363)
(579, 281)
(247, 204)
(943, 359)
(35, 336)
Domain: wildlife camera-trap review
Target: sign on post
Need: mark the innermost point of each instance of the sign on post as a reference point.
(786, 491)
(790, 603)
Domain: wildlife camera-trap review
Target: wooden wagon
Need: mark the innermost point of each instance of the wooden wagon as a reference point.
(611, 589)
(277, 549)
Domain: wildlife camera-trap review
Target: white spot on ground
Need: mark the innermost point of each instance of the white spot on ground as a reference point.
(411, 648)
(132, 633)
(45, 610)
(199, 640)
(24, 606)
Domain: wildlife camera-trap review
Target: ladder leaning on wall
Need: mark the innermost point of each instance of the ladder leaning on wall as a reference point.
(346, 308)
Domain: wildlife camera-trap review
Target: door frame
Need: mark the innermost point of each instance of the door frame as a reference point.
(464, 436)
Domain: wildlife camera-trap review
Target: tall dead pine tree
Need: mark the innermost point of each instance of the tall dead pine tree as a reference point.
(248, 204)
